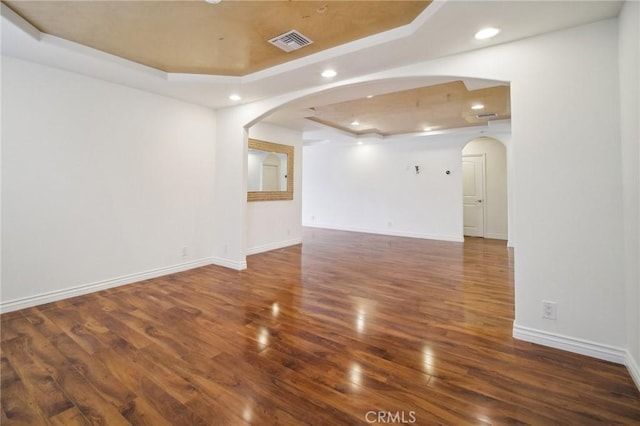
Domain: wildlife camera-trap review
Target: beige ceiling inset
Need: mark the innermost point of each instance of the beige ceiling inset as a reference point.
(230, 38)
(438, 107)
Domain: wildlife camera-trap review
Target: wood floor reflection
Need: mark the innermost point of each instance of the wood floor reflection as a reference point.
(345, 329)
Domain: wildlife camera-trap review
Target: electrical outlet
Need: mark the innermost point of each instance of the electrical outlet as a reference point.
(549, 310)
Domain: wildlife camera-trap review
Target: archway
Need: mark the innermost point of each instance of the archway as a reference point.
(485, 195)
(447, 217)
(232, 144)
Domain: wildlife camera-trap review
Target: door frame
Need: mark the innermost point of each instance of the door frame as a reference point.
(484, 192)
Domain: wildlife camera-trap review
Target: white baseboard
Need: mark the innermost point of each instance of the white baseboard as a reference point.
(274, 246)
(452, 238)
(53, 296)
(633, 368)
(231, 264)
(496, 236)
(571, 344)
(511, 243)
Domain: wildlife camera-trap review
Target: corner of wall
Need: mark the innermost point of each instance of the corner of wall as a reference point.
(634, 369)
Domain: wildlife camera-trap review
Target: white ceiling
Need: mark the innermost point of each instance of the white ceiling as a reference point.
(445, 28)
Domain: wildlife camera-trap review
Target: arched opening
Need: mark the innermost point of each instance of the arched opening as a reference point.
(263, 120)
(433, 211)
(485, 194)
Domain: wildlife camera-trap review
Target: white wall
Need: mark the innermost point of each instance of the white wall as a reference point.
(101, 184)
(495, 197)
(254, 167)
(374, 187)
(565, 142)
(629, 34)
(276, 224)
(230, 190)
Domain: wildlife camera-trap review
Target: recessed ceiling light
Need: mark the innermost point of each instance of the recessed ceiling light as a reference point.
(359, 142)
(369, 96)
(213, 1)
(427, 129)
(235, 97)
(355, 123)
(486, 33)
(477, 106)
(329, 73)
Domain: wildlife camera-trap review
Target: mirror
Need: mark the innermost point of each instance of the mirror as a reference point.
(270, 171)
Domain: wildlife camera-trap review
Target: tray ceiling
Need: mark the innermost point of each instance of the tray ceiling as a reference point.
(432, 108)
(230, 38)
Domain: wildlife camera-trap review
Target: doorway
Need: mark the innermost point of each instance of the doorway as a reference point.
(271, 173)
(473, 190)
(485, 195)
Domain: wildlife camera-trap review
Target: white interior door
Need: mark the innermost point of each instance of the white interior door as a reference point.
(270, 178)
(473, 195)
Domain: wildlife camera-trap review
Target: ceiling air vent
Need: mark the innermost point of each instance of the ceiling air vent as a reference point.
(290, 41)
(486, 115)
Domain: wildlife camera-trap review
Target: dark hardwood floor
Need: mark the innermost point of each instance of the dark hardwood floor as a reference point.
(345, 329)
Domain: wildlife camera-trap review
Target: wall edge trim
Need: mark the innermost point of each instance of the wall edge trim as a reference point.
(570, 344)
(274, 246)
(495, 236)
(634, 369)
(451, 238)
(231, 264)
(53, 296)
